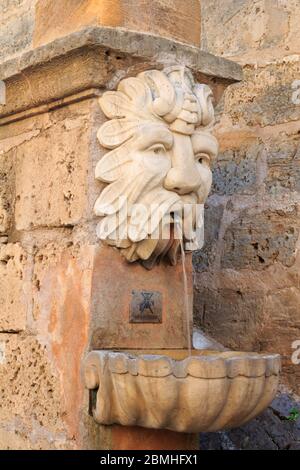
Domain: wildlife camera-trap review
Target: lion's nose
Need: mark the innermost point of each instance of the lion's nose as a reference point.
(183, 176)
(182, 180)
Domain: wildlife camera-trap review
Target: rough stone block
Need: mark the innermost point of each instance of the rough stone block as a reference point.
(30, 387)
(6, 190)
(264, 98)
(283, 160)
(257, 240)
(14, 287)
(62, 304)
(281, 327)
(54, 19)
(204, 258)
(235, 171)
(283, 404)
(52, 171)
(231, 317)
(244, 27)
(16, 26)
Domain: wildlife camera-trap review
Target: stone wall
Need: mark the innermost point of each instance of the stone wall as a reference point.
(44, 226)
(247, 278)
(16, 26)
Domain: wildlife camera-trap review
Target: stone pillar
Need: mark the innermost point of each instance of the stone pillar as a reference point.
(173, 19)
(74, 292)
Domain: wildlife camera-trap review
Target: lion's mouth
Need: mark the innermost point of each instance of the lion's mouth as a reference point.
(163, 238)
(165, 249)
(168, 247)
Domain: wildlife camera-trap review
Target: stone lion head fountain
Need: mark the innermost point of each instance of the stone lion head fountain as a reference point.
(157, 175)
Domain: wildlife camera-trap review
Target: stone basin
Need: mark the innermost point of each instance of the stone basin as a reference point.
(205, 391)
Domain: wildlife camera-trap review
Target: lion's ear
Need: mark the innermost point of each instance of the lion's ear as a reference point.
(205, 98)
(115, 104)
(138, 92)
(115, 132)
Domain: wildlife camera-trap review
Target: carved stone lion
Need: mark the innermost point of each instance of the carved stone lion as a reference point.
(159, 164)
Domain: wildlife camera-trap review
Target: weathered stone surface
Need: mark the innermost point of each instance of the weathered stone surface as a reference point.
(137, 438)
(52, 171)
(7, 190)
(257, 240)
(203, 258)
(15, 287)
(251, 31)
(175, 19)
(281, 315)
(195, 394)
(88, 69)
(16, 26)
(235, 171)
(218, 312)
(30, 387)
(62, 297)
(282, 406)
(283, 160)
(146, 46)
(259, 34)
(252, 310)
(265, 97)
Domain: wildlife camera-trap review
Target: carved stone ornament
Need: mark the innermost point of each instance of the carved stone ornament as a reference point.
(208, 392)
(158, 169)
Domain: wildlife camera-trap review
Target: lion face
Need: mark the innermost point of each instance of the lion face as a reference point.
(158, 170)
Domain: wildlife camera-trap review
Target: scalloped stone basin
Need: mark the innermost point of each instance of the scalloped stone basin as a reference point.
(208, 391)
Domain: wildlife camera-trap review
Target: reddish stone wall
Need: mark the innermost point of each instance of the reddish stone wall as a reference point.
(45, 277)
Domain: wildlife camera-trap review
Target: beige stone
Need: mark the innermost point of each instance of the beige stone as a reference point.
(255, 32)
(51, 171)
(256, 240)
(6, 190)
(205, 392)
(16, 27)
(30, 388)
(15, 287)
(174, 19)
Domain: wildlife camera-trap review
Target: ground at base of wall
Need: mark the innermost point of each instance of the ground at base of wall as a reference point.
(278, 428)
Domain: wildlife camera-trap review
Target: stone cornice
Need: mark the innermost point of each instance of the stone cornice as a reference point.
(98, 58)
(137, 44)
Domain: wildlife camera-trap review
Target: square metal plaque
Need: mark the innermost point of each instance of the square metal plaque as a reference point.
(145, 307)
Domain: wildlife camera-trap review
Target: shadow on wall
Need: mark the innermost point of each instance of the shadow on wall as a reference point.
(277, 428)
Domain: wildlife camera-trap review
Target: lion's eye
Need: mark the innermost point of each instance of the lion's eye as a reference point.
(158, 149)
(202, 158)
